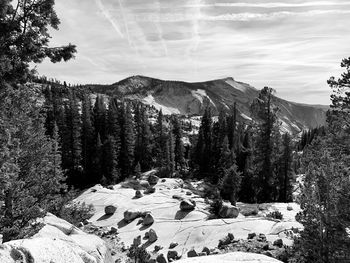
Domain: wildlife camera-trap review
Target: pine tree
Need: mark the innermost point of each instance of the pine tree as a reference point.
(100, 118)
(87, 141)
(143, 139)
(127, 141)
(203, 151)
(246, 167)
(226, 160)
(30, 172)
(146, 161)
(170, 156)
(230, 185)
(161, 140)
(267, 128)
(325, 207)
(179, 148)
(285, 177)
(110, 168)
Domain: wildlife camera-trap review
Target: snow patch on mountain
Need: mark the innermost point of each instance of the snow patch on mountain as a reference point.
(149, 100)
(200, 94)
(236, 85)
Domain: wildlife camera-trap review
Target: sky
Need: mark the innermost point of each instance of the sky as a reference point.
(292, 46)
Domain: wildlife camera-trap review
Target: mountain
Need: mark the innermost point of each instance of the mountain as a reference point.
(184, 98)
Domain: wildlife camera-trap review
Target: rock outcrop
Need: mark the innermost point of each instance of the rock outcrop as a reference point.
(59, 242)
(228, 211)
(237, 257)
(110, 209)
(187, 205)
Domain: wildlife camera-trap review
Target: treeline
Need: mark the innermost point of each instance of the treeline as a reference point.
(249, 162)
(108, 140)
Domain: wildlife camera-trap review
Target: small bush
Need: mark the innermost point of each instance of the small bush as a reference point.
(215, 207)
(139, 254)
(75, 213)
(275, 215)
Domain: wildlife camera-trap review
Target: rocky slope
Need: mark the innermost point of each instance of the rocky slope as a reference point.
(157, 221)
(177, 97)
(59, 242)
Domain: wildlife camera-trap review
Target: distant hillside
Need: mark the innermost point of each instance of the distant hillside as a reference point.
(184, 98)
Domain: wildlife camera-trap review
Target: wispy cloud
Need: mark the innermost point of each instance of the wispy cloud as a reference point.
(272, 16)
(273, 4)
(108, 16)
(293, 46)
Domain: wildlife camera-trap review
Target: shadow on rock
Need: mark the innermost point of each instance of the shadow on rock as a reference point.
(144, 227)
(181, 214)
(122, 223)
(104, 217)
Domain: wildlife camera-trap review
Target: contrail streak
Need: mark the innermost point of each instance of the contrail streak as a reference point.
(107, 15)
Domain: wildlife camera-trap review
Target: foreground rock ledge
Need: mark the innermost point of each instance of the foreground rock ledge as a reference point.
(237, 257)
(59, 242)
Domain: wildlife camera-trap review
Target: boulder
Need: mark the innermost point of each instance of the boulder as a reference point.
(261, 238)
(161, 259)
(149, 190)
(137, 241)
(172, 255)
(153, 179)
(187, 205)
(188, 193)
(110, 209)
(224, 242)
(192, 253)
(206, 250)
(228, 211)
(163, 180)
(177, 197)
(93, 190)
(172, 245)
(278, 243)
(249, 211)
(289, 207)
(251, 235)
(110, 187)
(144, 184)
(113, 230)
(152, 236)
(148, 220)
(157, 248)
(81, 225)
(138, 194)
(231, 236)
(130, 215)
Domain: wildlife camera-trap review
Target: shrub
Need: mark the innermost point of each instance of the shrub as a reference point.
(139, 254)
(75, 213)
(214, 208)
(275, 215)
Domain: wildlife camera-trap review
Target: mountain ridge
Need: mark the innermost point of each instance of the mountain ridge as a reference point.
(191, 98)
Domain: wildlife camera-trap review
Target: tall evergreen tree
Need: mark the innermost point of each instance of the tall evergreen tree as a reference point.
(203, 151)
(72, 141)
(325, 207)
(267, 128)
(179, 148)
(100, 117)
(30, 173)
(87, 141)
(127, 141)
(285, 173)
